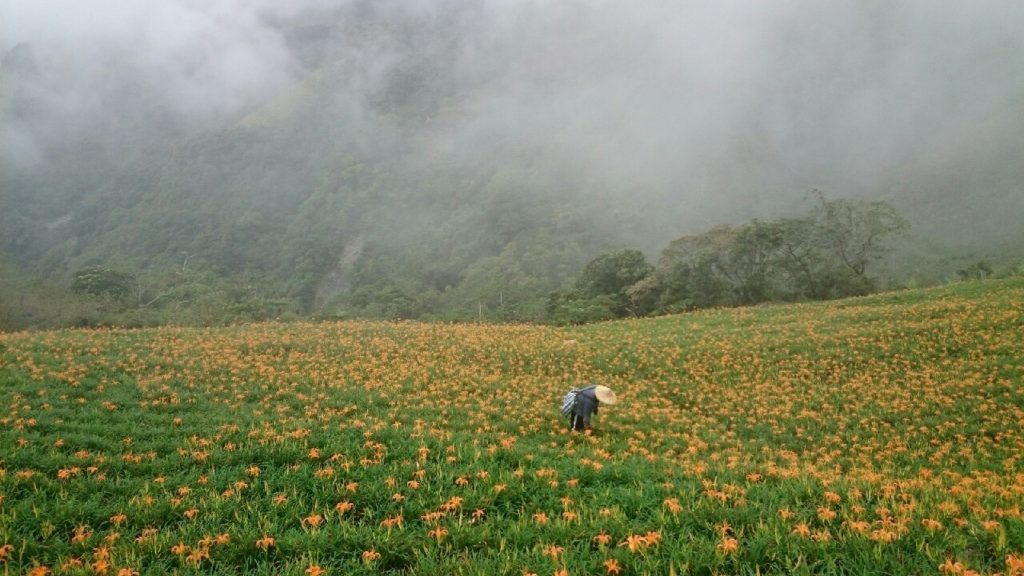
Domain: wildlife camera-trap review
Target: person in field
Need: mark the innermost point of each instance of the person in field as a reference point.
(587, 401)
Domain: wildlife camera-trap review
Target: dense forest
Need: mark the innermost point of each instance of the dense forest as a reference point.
(470, 160)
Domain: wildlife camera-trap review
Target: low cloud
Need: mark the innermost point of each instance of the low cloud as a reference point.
(689, 101)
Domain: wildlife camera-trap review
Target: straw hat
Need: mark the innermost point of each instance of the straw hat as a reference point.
(605, 394)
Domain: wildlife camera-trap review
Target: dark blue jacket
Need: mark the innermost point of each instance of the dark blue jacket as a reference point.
(586, 404)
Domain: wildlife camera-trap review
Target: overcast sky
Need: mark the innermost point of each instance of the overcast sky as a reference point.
(704, 95)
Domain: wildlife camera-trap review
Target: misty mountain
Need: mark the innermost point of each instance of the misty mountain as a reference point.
(965, 192)
(440, 159)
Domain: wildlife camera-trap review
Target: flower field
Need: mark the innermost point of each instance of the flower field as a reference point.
(873, 435)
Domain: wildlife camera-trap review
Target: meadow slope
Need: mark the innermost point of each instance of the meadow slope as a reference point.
(872, 435)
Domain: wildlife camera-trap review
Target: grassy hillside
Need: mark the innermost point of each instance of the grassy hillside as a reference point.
(879, 434)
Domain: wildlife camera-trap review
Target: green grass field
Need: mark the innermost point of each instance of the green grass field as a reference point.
(879, 435)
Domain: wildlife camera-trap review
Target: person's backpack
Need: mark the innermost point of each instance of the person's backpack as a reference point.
(569, 401)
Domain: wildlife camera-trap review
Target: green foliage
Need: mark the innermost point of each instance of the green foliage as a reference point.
(29, 301)
(611, 274)
(646, 296)
(383, 300)
(825, 254)
(804, 262)
(102, 281)
(604, 290)
(856, 230)
(977, 271)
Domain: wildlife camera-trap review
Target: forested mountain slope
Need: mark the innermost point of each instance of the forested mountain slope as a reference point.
(465, 159)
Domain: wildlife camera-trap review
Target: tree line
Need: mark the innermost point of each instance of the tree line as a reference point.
(833, 250)
(828, 252)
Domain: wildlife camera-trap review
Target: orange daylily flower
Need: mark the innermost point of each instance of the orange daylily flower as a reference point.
(553, 551)
(635, 542)
(313, 520)
(728, 545)
(370, 556)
